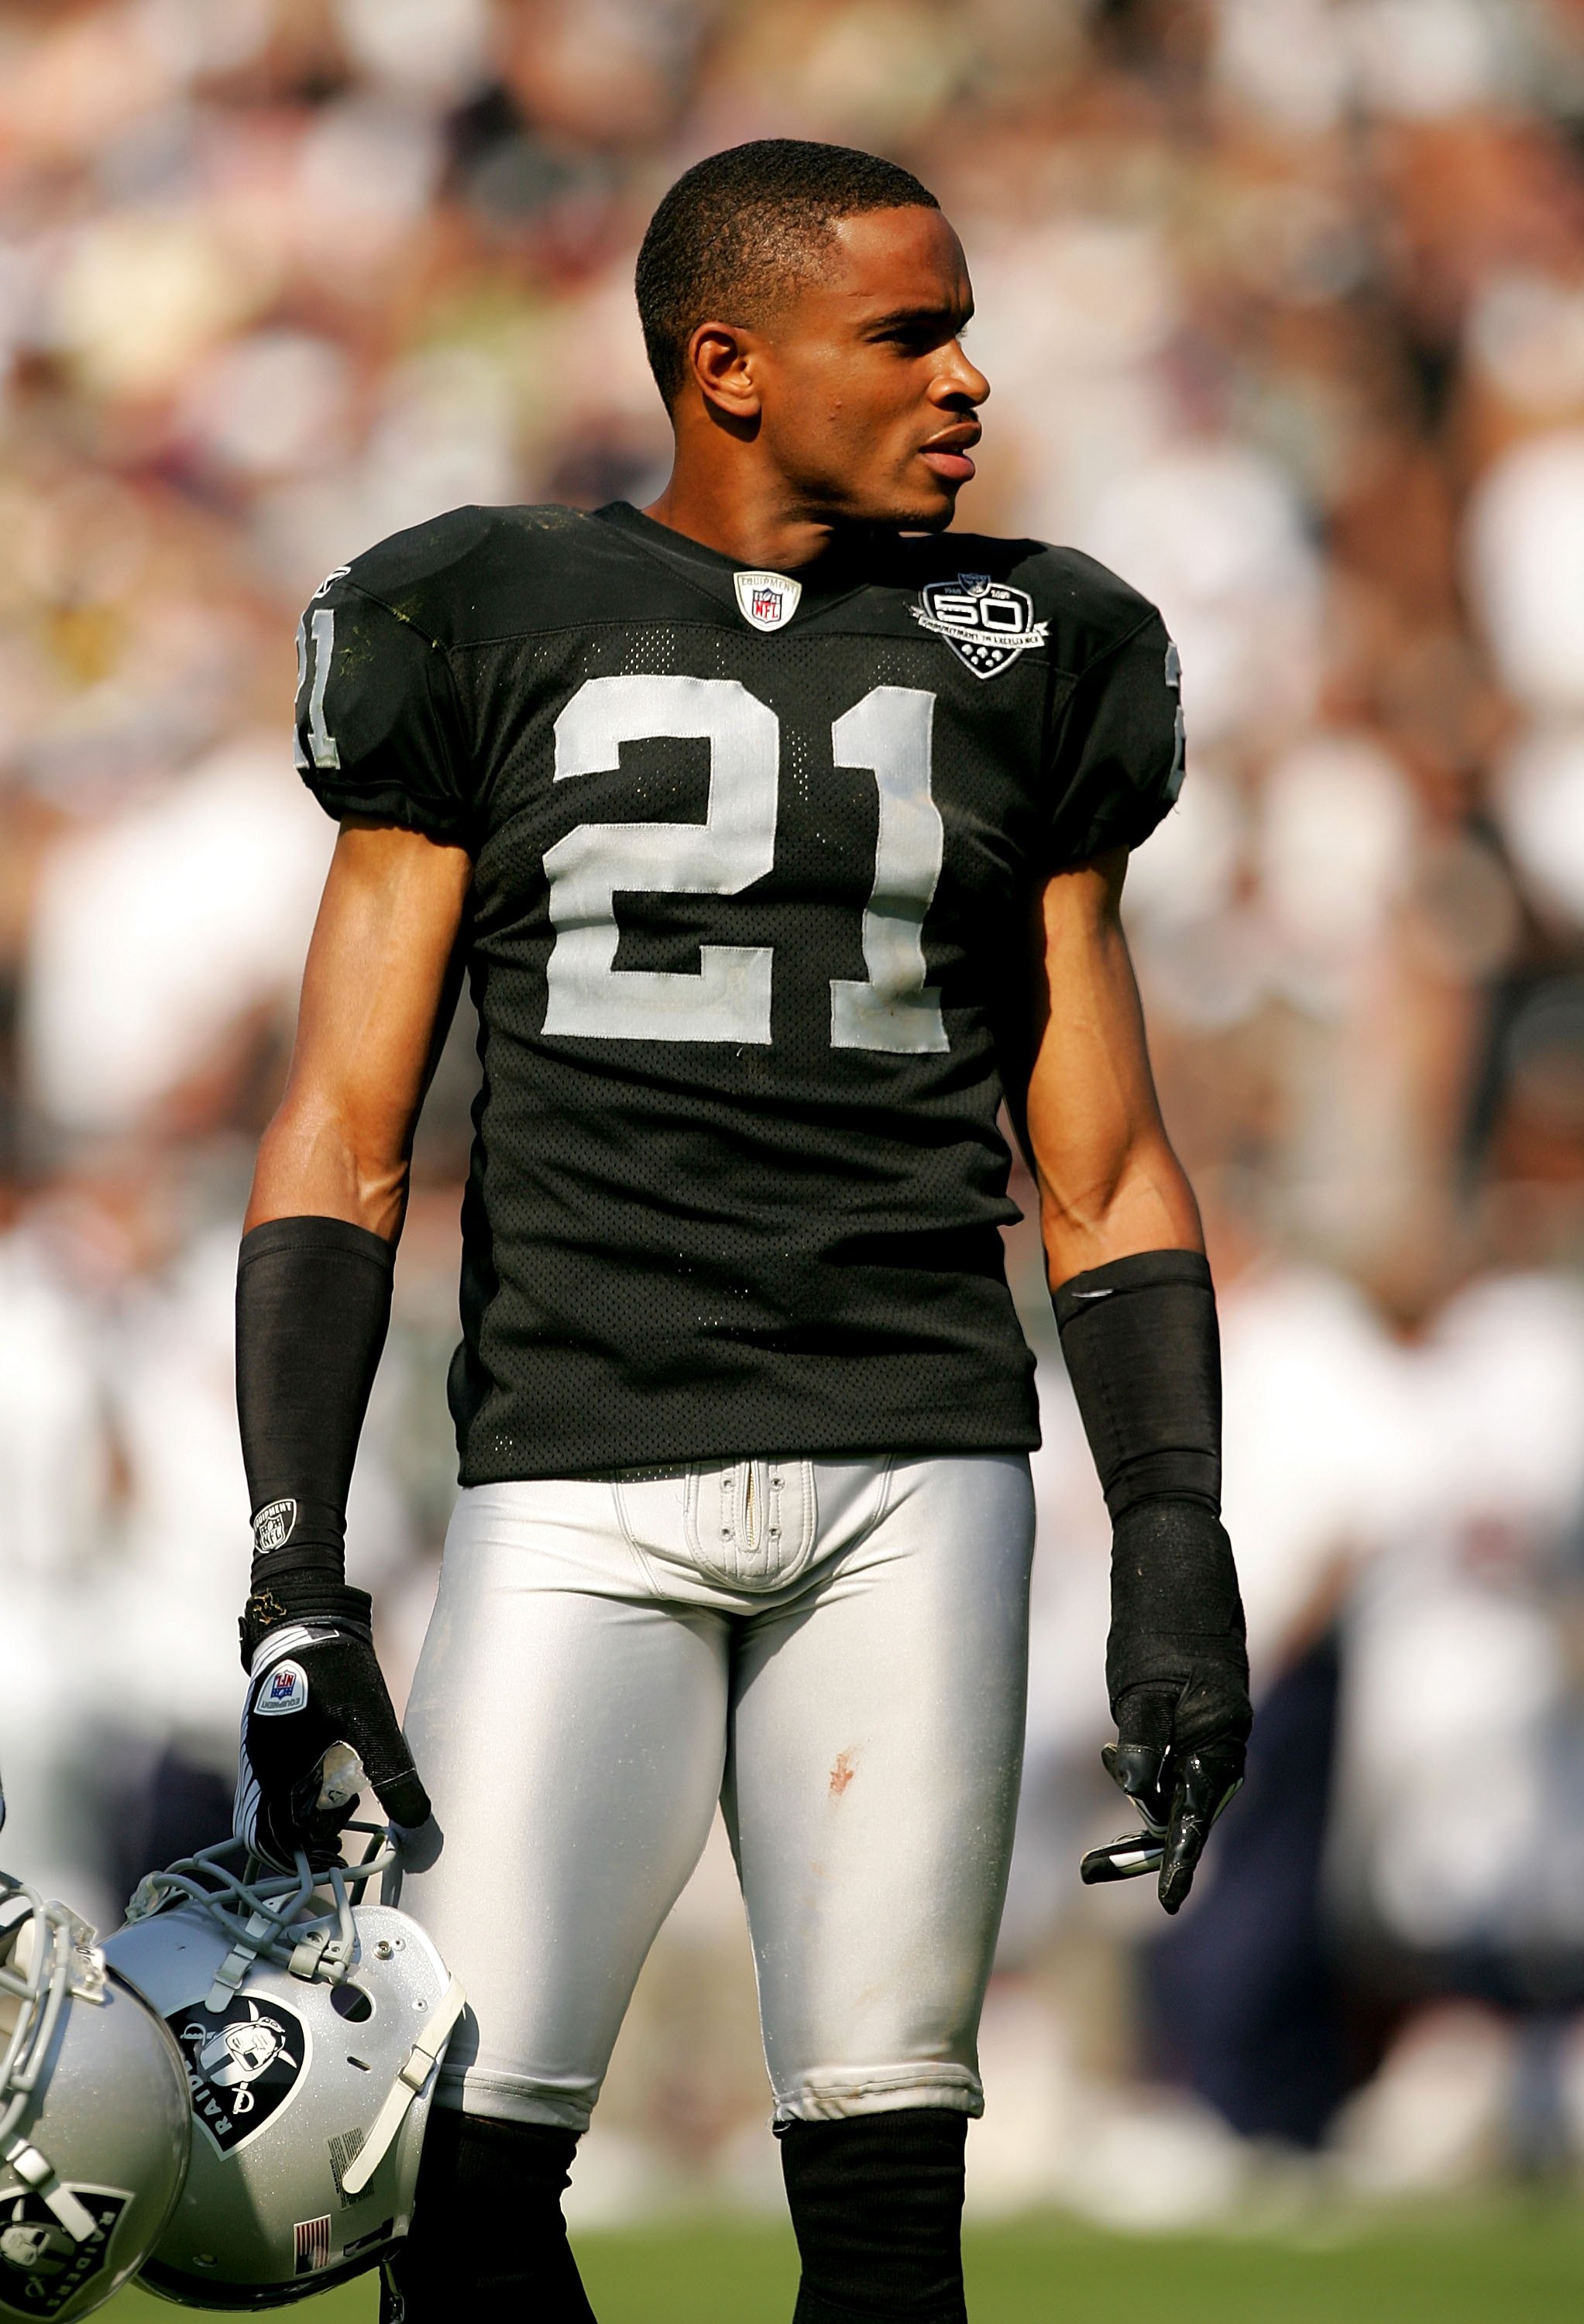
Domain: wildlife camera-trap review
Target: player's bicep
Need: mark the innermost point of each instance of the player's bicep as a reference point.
(1107, 1174)
(377, 991)
(1090, 1084)
(380, 965)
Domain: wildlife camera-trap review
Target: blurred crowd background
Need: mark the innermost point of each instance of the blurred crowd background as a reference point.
(1282, 304)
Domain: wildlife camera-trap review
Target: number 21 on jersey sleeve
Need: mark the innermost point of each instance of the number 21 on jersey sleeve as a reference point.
(321, 741)
(887, 734)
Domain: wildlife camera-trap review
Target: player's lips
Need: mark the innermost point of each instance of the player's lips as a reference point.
(947, 454)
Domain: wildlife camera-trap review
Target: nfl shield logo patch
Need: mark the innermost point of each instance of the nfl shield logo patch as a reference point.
(767, 600)
(284, 1689)
(272, 1526)
(987, 624)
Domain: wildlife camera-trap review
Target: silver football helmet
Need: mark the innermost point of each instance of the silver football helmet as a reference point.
(312, 2025)
(95, 2124)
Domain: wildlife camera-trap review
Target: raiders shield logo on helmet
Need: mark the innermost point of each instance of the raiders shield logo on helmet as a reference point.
(242, 2065)
(42, 2267)
(987, 624)
(767, 600)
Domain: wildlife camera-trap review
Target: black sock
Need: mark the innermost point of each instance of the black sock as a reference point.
(877, 2208)
(488, 2238)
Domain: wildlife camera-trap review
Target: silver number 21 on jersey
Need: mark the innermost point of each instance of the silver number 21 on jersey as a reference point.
(885, 735)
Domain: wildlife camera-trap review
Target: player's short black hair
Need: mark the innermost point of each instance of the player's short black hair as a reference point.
(738, 227)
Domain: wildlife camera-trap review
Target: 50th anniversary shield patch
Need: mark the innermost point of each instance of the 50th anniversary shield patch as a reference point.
(987, 624)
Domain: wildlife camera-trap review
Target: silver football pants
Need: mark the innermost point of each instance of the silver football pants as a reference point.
(837, 1651)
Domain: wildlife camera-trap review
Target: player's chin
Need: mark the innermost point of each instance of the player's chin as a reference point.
(926, 504)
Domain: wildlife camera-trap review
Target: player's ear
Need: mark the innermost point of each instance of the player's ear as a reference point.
(721, 360)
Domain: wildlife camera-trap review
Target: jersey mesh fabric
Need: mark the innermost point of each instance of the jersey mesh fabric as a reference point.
(682, 1249)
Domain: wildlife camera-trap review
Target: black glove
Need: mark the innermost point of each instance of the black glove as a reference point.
(319, 1722)
(1177, 1676)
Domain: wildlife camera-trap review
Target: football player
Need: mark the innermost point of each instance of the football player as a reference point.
(780, 833)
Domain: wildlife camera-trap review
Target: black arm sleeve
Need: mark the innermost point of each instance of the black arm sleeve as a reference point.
(1144, 1356)
(377, 720)
(313, 1302)
(1143, 1353)
(1118, 751)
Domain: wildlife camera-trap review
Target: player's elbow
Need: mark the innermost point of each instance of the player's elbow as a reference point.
(323, 1159)
(1136, 1197)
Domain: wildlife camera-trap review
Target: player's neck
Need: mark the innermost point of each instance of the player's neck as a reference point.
(750, 517)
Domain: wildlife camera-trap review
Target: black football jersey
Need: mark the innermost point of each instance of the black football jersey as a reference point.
(751, 939)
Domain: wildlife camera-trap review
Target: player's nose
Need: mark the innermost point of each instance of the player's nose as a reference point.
(960, 381)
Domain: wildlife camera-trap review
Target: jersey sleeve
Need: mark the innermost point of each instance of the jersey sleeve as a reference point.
(1117, 756)
(376, 716)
